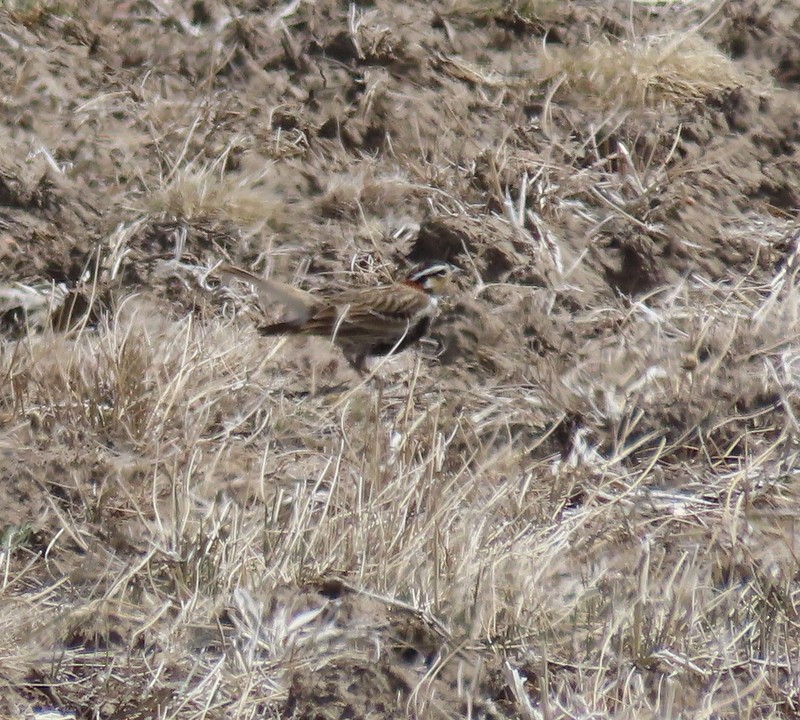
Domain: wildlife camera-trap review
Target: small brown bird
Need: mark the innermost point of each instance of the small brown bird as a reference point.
(362, 322)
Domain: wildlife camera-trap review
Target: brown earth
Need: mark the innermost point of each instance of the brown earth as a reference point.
(624, 332)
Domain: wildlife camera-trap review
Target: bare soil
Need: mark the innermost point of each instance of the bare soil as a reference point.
(578, 499)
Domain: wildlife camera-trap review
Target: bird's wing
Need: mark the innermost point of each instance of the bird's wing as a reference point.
(299, 303)
(371, 312)
(395, 302)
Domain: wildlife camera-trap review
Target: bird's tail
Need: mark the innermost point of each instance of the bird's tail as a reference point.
(280, 328)
(270, 291)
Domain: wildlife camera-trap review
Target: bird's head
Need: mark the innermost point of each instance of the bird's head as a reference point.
(434, 277)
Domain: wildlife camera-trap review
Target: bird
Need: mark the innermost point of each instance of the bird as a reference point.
(362, 322)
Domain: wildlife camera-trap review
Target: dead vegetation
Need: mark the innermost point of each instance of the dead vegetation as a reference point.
(641, 72)
(579, 499)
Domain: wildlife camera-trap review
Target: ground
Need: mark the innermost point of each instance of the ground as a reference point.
(579, 498)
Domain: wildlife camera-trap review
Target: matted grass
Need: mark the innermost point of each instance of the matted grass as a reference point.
(642, 72)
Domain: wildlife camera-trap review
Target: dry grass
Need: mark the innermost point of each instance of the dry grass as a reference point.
(35, 12)
(640, 73)
(525, 9)
(590, 510)
(175, 460)
(205, 190)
